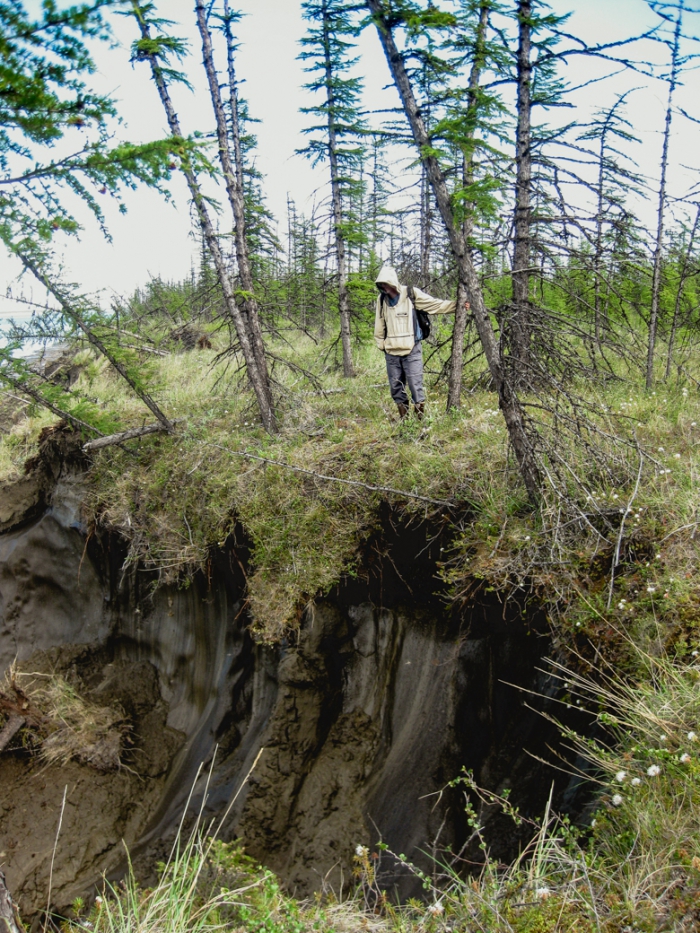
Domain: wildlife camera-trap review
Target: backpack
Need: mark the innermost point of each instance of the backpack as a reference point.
(423, 316)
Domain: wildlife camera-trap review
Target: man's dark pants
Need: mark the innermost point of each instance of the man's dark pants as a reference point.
(406, 369)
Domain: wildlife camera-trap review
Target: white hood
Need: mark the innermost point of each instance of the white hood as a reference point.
(388, 276)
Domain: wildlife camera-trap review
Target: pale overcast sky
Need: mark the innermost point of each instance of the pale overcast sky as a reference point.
(153, 239)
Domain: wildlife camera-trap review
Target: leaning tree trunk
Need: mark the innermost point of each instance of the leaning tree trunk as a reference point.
(508, 400)
(233, 176)
(659, 244)
(454, 391)
(522, 246)
(256, 378)
(337, 205)
(71, 312)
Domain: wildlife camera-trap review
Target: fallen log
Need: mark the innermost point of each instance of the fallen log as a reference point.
(8, 912)
(129, 435)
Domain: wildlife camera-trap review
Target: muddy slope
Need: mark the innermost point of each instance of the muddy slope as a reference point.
(383, 699)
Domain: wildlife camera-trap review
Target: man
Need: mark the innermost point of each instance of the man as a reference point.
(397, 332)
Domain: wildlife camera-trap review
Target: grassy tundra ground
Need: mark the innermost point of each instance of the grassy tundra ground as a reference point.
(638, 866)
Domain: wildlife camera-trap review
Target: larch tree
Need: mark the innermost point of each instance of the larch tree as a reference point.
(230, 154)
(671, 14)
(471, 124)
(338, 131)
(536, 86)
(685, 270)
(608, 131)
(158, 50)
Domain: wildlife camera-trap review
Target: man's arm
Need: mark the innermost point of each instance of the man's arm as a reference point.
(427, 303)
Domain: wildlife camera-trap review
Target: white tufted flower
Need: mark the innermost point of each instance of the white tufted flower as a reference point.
(617, 800)
(620, 776)
(685, 758)
(361, 851)
(636, 782)
(653, 770)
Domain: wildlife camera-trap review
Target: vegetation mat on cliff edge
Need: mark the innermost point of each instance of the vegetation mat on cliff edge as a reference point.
(174, 497)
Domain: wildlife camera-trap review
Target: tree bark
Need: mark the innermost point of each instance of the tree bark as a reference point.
(256, 378)
(233, 177)
(426, 219)
(522, 246)
(336, 198)
(454, 392)
(598, 254)
(508, 400)
(659, 244)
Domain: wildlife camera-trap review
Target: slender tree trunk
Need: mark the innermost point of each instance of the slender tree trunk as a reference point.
(454, 392)
(261, 390)
(522, 245)
(685, 268)
(426, 219)
(339, 237)
(507, 397)
(233, 176)
(658, 247)
(374, 202)
(598, 254)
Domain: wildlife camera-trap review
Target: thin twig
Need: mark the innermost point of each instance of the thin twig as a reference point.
(53, 856)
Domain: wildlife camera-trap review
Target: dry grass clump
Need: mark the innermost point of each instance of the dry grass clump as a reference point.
(49, 715)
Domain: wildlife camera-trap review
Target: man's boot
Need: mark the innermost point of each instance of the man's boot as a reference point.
(420, 410)
(403, 410)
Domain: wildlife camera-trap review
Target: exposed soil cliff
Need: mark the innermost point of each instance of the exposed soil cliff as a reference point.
(384, 697)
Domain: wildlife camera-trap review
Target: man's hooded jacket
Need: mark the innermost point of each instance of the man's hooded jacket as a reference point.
(394, 327)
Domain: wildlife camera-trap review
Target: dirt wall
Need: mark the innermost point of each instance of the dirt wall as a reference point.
(364, 717)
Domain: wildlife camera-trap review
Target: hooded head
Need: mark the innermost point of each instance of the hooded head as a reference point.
(388, 276)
